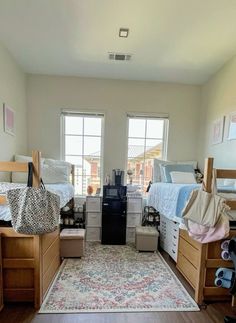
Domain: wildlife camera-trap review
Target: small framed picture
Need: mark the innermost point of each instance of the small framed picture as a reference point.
(232, 126)
(9, 120)
(217, 131)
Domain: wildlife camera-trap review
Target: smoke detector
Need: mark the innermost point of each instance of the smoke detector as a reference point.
(119, 56)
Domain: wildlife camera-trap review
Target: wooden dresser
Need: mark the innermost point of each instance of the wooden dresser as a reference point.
(1, 283)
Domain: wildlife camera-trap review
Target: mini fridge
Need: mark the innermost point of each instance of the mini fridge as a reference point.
(114, 213)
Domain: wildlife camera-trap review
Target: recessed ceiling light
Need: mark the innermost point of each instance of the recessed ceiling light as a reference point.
(124, 32)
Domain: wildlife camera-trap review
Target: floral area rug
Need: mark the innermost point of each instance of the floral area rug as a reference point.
(116, 279)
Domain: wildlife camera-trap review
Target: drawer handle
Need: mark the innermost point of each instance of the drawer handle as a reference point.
(173, 251)
(175, 237)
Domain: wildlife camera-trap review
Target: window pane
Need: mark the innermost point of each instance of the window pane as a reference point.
(92, 146)
(92, 181)
(73, 125)
(78, 185)
(155, 128)
(137, 128)
(92, 126)
(75, 160)
(73, 145)
(135, 148)
(153, 148)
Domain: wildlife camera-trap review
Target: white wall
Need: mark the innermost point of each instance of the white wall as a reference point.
(47, 95)
(218, 99)
(13, 93)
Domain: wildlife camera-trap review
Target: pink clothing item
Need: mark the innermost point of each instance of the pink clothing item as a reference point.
(205, 234)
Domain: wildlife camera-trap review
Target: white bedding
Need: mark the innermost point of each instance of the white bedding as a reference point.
(170, 199)
(65, 192)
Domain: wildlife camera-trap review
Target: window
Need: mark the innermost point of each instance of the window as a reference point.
(82, 146)
(147, 139)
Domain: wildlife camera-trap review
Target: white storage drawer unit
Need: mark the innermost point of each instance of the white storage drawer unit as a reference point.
(169, 236)
(93, 218)
(93, 234)
(134, 216)
(133, 219)
(93, 204)
(134, 204)
(130, 235)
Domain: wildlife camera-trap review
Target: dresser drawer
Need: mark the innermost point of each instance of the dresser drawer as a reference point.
(93, 234)
(134, 205)
(133, 219)
(93, 204)
(94, 219)
(130, 235)
(189, 251)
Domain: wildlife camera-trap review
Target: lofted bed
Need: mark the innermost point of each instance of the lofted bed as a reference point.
(196, 261)
(30, 262)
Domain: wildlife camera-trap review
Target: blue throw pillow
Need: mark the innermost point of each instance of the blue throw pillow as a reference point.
(175, 168)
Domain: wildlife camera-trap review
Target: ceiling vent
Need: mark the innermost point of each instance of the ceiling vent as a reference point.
(119, 57)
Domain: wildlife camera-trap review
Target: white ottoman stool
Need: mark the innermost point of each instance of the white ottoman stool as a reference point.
(146, 238)
(72, 242)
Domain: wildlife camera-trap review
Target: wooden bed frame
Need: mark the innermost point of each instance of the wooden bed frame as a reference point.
(30, 262)
(198, 262)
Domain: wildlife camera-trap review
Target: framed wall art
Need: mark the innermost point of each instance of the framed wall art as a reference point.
(9, 120)
(232, 126)
(217, 131)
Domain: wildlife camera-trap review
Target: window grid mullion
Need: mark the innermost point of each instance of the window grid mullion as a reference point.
(83, 157)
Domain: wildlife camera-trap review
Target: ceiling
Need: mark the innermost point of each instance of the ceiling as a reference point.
(182, 41)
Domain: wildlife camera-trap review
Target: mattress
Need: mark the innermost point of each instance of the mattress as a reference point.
(64, 191)
(170, 199)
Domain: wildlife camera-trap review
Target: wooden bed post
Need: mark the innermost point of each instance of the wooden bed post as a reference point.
(73, 175)
(201, 274)
(207, 180)
(36, 157)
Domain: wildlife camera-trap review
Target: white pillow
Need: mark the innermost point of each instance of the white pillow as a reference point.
(19, 177)
(55, 174)
(182, 178)
(158, 174)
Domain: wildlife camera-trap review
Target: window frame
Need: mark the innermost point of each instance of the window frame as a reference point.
(165, 134)
(82, 114)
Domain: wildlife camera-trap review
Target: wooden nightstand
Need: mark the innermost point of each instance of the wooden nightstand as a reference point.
(1, 283)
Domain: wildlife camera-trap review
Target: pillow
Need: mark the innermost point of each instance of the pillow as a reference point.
(182, 178)
(19, 177)
(158, 175)
(55, 174)
(188, 162)
(176, 168)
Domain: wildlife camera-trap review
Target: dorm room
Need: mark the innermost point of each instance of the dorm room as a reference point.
(117, 88)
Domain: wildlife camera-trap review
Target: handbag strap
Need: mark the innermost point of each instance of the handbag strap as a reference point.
(30, 174)
(30, 177)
